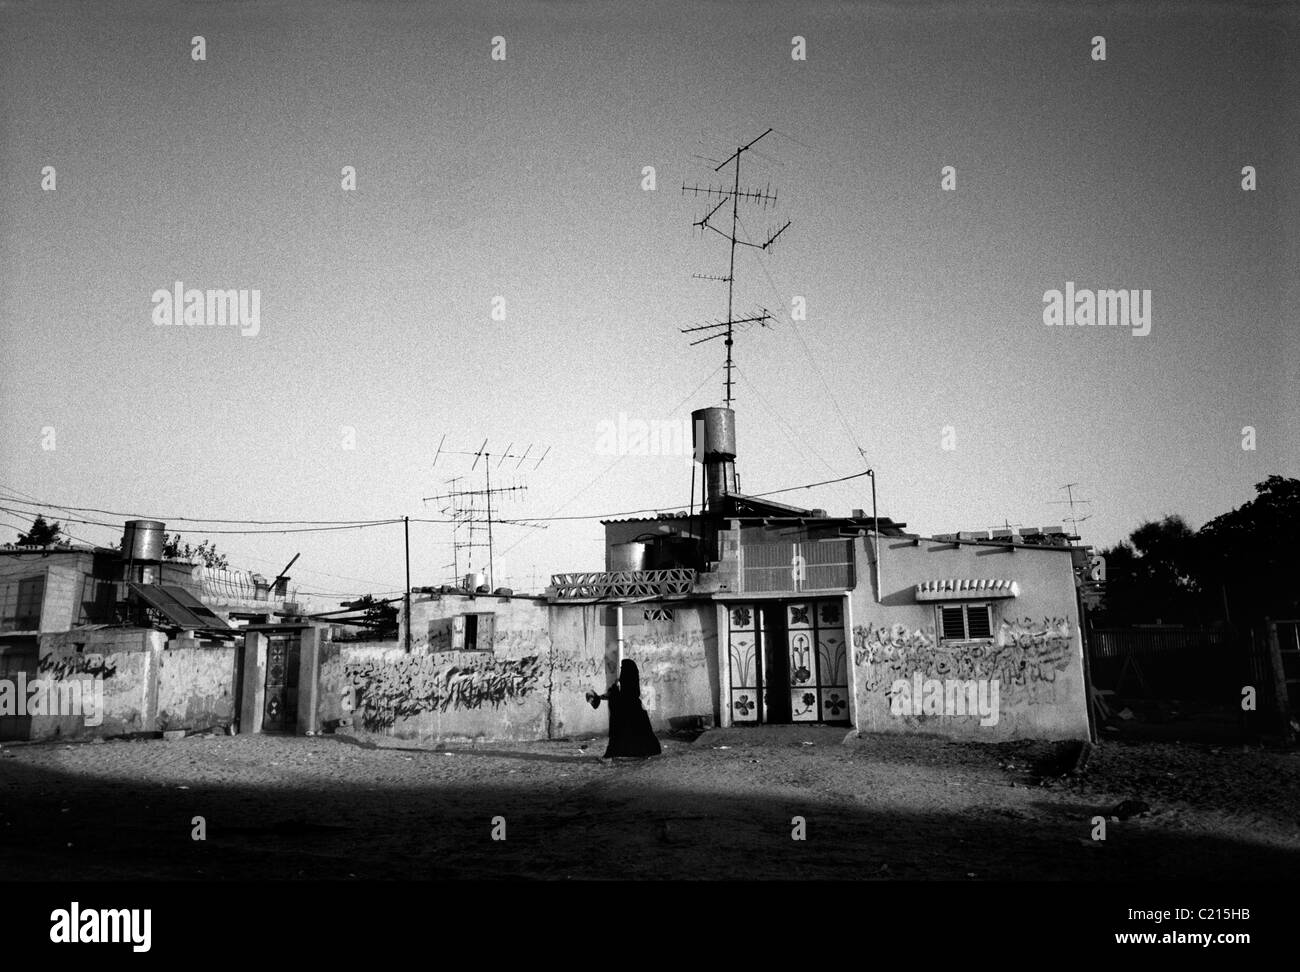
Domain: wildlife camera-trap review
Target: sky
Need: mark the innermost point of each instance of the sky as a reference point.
(922, 352)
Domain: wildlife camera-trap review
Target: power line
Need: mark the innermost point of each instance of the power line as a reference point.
(659, 509)
(191, 519)
(206, 531)
(530, 519)
(783, 424)
(617, 459)
(798, 333)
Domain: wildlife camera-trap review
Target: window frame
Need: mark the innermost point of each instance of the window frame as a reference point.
(964, 607)
(478, 631)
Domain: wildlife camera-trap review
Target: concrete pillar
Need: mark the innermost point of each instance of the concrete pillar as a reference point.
(253, 697)
(154, 643)
(308, 681)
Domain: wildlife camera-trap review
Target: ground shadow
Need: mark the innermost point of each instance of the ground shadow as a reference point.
(61, 826)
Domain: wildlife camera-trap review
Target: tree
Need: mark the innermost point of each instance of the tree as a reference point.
(1154, 577)
(41, 534)
(1239, 567)
(205, 553)
(1248, 556)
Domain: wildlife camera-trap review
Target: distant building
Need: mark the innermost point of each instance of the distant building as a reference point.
(103, 618)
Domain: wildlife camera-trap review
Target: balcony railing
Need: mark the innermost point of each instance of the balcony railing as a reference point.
(623, 584)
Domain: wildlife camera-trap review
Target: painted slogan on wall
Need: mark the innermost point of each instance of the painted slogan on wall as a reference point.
(388, 691)
(1025, 655)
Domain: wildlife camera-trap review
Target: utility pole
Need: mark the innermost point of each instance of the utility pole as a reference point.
(406, 527)
(764, 197)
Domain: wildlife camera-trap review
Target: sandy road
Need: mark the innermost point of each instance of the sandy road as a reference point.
(722, 806)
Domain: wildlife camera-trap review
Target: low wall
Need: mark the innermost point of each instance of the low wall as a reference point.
(673, 658)
(144, 685)
(532, 684)
(196, 688)
(123, 661)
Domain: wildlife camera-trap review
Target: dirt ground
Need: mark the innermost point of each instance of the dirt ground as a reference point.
(717, 807)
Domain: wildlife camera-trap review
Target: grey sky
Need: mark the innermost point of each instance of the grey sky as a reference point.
(522, 178)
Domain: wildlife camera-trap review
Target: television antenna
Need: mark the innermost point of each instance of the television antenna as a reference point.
(1073, 519)
(717, 196)
(461, 504)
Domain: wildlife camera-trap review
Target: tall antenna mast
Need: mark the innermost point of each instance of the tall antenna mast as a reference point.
(764, 197)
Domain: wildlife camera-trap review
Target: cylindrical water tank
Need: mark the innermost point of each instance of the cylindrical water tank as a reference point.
(633, 555)
(713, 433)
(475, 580)
(143, 539)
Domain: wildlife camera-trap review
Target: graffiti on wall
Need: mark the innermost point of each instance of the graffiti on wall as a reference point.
(577, 672)
(94, 665)
(1025, 655)
(667, 662)
(388, 691)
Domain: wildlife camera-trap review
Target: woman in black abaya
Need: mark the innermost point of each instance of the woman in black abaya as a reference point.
(629, 723)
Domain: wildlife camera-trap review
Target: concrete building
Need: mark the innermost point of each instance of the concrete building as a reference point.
(750, 612)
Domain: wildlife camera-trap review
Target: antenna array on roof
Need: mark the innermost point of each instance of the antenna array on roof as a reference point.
(461, 504)
(765, 198)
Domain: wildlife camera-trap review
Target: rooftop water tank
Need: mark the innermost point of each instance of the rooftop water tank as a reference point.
(633, 555)
(144, 540)
(713, 433)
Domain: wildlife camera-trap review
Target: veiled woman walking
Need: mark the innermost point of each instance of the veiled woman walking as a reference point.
(630, 733)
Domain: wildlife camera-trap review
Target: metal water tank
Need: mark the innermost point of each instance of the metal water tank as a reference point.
(632, 555)
(713, 433)
(143, 539)
(475, 580)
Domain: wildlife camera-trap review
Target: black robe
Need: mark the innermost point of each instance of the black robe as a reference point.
(630, 733)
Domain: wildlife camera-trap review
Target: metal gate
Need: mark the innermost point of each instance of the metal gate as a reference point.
(744, 631)
(816, 657)
(819, 670)
(281, 710)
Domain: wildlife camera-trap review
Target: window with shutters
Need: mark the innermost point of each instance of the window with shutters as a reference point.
(473, 632)
(965, 622)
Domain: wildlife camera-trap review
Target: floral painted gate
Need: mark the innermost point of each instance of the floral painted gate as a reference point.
(814, 668)
(819, 669)
(744, 655)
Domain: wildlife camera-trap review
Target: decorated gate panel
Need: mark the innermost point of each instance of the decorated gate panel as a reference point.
(819, 682)
(832, 662)
(802, 637)
(744, 653)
